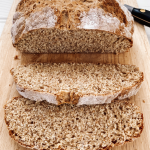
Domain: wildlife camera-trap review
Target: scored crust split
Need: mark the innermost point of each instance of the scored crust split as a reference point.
(72, 26)
(75, 83)
(46, 126)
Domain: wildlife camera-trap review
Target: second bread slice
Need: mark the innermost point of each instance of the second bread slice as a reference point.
(75, 83)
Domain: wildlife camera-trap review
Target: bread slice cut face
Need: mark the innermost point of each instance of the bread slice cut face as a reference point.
(40, 125)
(75, 83)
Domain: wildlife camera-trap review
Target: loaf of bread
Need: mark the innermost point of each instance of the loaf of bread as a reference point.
(45, 126)
(75, 83)
(72, 26)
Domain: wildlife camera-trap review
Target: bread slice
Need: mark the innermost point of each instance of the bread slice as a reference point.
(72, 26)
(75, 83)
(41, 125)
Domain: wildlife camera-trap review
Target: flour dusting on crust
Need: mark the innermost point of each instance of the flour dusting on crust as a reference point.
(41, 19)
(100, 20)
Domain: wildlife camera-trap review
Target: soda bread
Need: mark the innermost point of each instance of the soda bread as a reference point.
(75, 83)
(72, 26)
(45, 126)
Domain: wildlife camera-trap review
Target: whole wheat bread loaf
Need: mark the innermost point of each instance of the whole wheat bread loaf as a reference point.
(75, 83)
(72, 26)
(45, 126)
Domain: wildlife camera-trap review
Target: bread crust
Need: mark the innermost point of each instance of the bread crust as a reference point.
(106, 148)
(68, 18)
(72, 98)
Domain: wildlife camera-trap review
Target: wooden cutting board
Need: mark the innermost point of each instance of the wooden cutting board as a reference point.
(139, 55)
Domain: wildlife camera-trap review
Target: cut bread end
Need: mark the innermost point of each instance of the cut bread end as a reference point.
(81, 41)
(78, 26)
(47, 126)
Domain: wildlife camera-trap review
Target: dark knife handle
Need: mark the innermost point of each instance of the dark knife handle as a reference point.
(142, 16)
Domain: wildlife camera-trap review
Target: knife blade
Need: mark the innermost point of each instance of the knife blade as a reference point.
(140, 15)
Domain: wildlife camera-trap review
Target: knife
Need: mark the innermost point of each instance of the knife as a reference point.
(140, 15)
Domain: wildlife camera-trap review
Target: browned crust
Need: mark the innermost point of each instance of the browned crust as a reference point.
(106, 148)
(67, 97)
(110, 6)
(137, 85)
(72, 98)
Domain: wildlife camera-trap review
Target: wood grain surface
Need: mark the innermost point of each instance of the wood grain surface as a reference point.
(139, 55)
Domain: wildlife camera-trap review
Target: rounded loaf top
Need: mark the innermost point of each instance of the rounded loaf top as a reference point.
(105, 15)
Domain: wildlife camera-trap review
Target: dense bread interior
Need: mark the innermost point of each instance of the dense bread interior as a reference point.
(60, 41)
(81, 79)
(46, 126)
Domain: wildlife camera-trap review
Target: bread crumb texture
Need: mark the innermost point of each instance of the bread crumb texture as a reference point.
(72, 26)
(69, 81)
(67, 127)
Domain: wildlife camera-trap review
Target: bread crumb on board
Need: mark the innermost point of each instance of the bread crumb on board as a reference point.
(16, 57)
